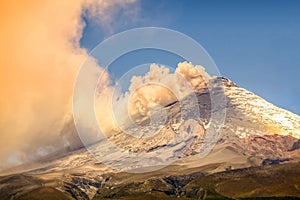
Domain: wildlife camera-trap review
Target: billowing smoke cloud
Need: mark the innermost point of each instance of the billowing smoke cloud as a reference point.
(40, 56)
(155, 89)
(160, 87)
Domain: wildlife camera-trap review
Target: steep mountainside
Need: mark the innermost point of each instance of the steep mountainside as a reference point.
(255, 134)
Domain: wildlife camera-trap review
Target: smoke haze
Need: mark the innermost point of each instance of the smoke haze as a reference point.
(40, 56)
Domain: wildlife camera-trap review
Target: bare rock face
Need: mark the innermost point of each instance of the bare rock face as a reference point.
(271, 146)
(296, 145)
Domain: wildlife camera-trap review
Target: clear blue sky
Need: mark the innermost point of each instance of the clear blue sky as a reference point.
(254, 43)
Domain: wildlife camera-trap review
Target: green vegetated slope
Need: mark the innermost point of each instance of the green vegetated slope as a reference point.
(267, 182)
(270, 182)
(45, 193)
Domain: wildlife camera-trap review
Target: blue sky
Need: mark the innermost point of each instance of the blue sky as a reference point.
(254, 43)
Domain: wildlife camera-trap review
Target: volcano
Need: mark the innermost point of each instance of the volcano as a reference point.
(256, 155)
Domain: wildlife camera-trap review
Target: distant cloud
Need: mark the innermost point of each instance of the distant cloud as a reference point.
(110, 15)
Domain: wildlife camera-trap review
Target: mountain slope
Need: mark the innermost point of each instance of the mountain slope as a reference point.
(255, 133)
